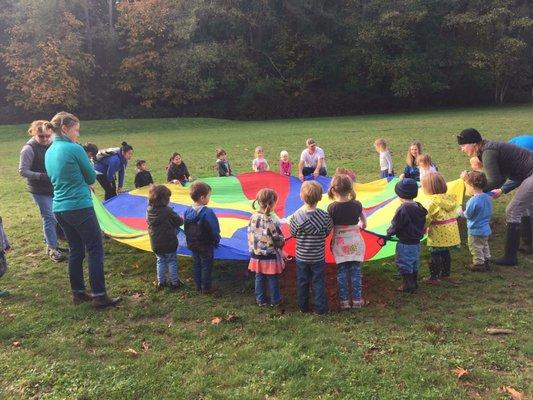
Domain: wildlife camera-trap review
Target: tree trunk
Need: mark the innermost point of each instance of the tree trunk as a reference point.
(88, 28)
(110, 21)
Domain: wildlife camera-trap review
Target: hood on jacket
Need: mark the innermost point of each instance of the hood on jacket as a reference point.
(192, 214)
(309, 222)
(446, 202)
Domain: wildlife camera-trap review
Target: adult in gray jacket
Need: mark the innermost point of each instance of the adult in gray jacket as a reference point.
(507, 167)
(31, 166)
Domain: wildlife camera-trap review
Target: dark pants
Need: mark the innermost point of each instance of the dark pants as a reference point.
(202, 267)
(309, 171)
(83, 235)
(314, 274)
(109, 187)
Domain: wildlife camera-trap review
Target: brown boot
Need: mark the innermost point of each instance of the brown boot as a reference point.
(81, 297)
(407, 285)
(105, 301)
(478, 267)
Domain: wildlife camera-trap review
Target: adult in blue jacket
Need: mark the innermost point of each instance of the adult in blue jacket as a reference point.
(71, 173)
(108, 167)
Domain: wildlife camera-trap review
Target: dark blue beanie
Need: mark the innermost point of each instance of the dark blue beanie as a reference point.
(407, 188)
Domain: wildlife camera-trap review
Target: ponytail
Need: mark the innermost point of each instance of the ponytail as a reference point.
(125, 147)
(61, 119)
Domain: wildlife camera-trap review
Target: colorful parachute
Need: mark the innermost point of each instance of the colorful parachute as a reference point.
(123, 217)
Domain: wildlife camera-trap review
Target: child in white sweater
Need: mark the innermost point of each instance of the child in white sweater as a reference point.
(385, 158)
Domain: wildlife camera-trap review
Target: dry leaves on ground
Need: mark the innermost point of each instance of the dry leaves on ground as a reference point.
(16, 344)
(460, 372)
(132, 352)
(515, 394)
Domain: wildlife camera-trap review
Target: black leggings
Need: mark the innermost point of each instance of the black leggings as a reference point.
(109, 187)
(440, 264)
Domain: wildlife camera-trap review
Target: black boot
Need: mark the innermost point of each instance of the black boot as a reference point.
(526, 235)
(512, 241)
(435, 265)
(414, 276)
(407, 285)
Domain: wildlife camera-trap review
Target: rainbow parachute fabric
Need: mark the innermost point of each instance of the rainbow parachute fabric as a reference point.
(123, 217)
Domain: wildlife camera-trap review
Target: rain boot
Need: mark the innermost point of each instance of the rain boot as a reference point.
(407, 285)
(526, 235)
(414, 277)
(512, 241)
(81, 297)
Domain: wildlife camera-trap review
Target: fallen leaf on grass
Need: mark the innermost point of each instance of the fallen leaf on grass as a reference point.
(515, 394)
(216, 321)
(231, 317)
(133, 352)
(145, 346)
(16, 344)
(460, 372)
(136, 296)
(499, 331)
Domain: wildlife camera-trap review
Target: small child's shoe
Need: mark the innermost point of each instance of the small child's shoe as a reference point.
(174, 286)
(478, 267)
(358, 303)
(345, 305)
(432, 281)
(449, 280)
(159, 285)
(262, 303)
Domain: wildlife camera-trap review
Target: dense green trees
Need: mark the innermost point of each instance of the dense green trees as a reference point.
(260, 59)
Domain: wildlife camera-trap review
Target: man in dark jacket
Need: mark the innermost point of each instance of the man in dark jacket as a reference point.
(507, 167)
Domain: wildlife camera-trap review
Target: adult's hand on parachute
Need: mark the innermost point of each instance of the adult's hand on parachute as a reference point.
(301, 176)
(496, 193)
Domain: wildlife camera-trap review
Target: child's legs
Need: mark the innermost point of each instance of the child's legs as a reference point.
(319, 287)
(486, 248)
(446, 263)
(161, 266)
(197, 269)
(435, 264)
(383, 173)
(75, 256)
(303, 277)
(172, 262)
(407, 258)
(273, 288)
(260, 288)
(356, 276)
(343, 277)
(476, 245)
(207, 267)
(3, 263)
(49, 220)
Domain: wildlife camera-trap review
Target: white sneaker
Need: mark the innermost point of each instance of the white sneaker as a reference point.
(55, 255)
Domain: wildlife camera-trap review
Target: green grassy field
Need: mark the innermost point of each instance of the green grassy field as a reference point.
(163, 345)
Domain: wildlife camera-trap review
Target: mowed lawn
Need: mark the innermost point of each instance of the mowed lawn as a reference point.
(164, 345)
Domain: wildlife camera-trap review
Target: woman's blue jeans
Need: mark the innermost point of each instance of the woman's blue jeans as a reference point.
(44, 202)
(84, 235)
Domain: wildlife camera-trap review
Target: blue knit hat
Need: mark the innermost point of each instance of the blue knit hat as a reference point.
(406, 189)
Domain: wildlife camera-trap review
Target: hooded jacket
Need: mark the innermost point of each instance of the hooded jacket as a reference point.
(109, 166)
(202, 229)
(408, 223)
(162, 225)
(310, 228)
(441, 221)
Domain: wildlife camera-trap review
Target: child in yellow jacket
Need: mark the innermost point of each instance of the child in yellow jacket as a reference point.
(443, 231)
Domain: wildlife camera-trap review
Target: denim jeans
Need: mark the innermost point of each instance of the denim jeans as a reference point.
(164, 261)
(349, 273)
(83, 235)
(309, 171)
(273, 288)
(202, 267)
(384, 173)
(44, 202)
(407, 258)
(314, 274)
(110, 188)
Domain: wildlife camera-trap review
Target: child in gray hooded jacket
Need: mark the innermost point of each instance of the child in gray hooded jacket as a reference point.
(4, 246)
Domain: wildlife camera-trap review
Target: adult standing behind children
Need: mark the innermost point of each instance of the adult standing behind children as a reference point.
(111, 165)
(31, 166)
(312, 161)
(411, 169)
(504, 162)
(71, 173)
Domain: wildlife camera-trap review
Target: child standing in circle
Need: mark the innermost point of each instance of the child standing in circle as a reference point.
(260, 164)
(143, 177)
(163, 223)
(222, 166)
(348, 246)
(4, 247)
(443, 231)
(425, 165)
(265, 241)
(385, 158)
(285, 165)
(177, 171)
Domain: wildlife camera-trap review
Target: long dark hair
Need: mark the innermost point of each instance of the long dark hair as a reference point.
(172, 157)
(125, 147)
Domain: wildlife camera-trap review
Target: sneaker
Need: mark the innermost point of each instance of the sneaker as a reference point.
(159, 285)
(174, 286)
(345, 305)
(105, 301)
(81, 297)
(432, 281)
(358, 303)
(55, 255)
(262, 303)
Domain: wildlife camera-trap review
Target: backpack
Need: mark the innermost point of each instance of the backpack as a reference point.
(104, 153)
(198, 234)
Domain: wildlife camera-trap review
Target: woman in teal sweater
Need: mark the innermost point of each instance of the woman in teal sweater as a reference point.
(71, 173)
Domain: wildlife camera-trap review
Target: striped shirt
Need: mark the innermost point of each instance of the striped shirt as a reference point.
(310, 228)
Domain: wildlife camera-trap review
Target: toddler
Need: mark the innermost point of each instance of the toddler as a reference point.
(385, 158)
(265, 241)
(222, 164)
(348, 246)
(285, 165)
(143, 177)
(478, 212)
(311, 226)
(259, 164)
(203, 235)
(162, 225)
(408, 226)
(443, 231)
(425, 166)
(345, 171)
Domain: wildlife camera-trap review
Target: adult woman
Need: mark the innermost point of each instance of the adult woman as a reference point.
(312, 161)
(411, 169)
(71, 174)
(31, 166)
(507, 167)
(109, 166)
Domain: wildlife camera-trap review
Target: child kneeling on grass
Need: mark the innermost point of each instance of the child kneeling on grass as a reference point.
(443, 231)
(348, 245)
(163, 223)
(310, 226)
(265, 241)
(408, 225)
(478, 212)
(4, 247)
(202, 231)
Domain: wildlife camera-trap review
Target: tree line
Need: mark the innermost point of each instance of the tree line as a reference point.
(261, 58)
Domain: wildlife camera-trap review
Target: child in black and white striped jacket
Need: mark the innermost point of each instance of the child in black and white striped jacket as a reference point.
(310, 226)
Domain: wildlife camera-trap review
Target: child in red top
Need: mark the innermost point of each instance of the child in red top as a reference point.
(285, 165)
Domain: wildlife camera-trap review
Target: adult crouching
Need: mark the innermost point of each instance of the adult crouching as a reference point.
(71, 173)
(112, 165)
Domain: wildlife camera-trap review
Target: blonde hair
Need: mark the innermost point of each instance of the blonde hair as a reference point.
(381, 144)
(342, 185)
(283, 153)
(424, 159)
(434, 183)
(345, 171)
(258, 149)
(267, 199)
(39, 126)
(311, 192)
(409, 159)
(61, 119)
